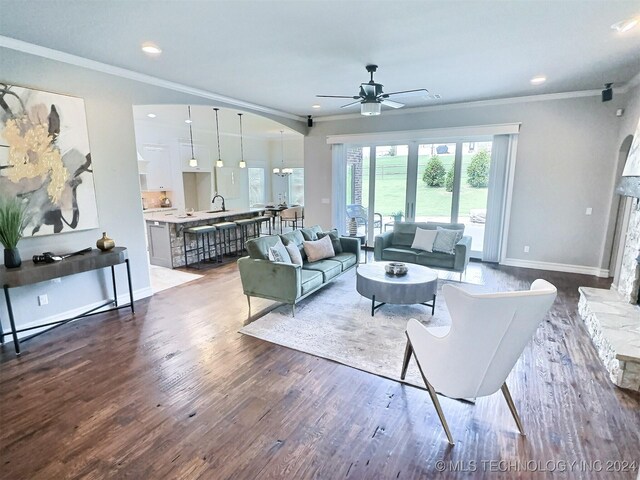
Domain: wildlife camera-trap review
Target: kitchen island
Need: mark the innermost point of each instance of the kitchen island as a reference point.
(164, 232)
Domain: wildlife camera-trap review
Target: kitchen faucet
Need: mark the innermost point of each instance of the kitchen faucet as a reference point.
(214, 200)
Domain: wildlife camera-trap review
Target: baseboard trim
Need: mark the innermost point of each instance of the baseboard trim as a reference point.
(556, 267)
(122, 299)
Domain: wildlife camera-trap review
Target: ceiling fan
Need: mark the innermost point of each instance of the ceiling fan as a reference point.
(371, 96)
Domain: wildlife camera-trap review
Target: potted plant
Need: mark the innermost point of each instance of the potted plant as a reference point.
(397, 216)
(13, 220)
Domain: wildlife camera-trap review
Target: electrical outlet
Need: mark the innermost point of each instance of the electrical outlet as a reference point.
(43, 299)
(589, 211)
(56, 280)
(526, 249)
(326, 201)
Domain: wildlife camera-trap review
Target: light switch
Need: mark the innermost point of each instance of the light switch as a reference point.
(43, 299)
(589, 211)
(526, 249)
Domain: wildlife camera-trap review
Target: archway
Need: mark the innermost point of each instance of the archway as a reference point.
(622, 208)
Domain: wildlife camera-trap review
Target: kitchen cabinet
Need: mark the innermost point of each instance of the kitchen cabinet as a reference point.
(155, 168)
(202, 154)
(159, 239)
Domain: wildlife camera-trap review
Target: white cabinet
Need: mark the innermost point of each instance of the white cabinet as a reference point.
(202, 154)
(155, 168)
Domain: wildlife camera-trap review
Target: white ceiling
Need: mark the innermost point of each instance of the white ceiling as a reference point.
(280, 54)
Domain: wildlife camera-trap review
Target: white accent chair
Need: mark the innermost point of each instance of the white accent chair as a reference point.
(473, 357)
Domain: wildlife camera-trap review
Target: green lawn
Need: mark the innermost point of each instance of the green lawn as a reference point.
(431, 201)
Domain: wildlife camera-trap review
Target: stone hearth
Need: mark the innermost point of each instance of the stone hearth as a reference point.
(614, 326)
(612, 316)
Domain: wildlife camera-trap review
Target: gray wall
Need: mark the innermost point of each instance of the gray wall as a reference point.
(565, 161)
(108, 101)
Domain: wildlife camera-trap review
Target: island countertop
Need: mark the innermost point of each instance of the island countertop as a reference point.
(178, 217)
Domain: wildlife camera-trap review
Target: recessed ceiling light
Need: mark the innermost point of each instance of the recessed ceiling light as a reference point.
(151, 48)
(315, 106)
(187, 121)
(538, 80)
(625, 25)
(151, 115)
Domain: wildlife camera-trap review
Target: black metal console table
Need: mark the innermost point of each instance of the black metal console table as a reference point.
(29, 273)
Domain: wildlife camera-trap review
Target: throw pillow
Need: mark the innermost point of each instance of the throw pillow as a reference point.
(311, 233)
(335, 240)
(319, 249)
(424, 239)
(294, 253)
(446, 240)
(278, 253)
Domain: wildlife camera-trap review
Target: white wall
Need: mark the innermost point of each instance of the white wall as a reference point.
(566, 154)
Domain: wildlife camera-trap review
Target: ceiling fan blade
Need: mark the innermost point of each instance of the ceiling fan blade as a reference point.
(337, 96)
(351, 104)
(391, 104)
(403, 92)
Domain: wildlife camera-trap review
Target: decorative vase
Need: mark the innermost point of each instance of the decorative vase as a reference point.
(353, 227)
(105, 243)
(12, 258)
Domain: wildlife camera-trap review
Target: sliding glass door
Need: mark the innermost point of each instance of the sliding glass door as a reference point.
(391, 170)
(423, 182)
(474, 189)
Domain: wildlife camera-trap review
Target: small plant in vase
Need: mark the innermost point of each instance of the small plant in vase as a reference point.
(13, 220)
(397, 216)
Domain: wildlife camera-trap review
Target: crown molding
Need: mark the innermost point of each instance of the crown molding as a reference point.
(479, 103)
(59, 56)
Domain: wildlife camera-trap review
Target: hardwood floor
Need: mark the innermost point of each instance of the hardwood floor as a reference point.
(176, 392)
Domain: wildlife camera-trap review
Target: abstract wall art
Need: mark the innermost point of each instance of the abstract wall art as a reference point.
(45, 159)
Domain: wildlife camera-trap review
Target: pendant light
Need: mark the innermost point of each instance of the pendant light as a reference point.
(193, 162)
(242, 163)
(219, 162)
(282, 172)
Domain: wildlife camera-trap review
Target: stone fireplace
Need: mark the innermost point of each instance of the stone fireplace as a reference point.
(612, 317)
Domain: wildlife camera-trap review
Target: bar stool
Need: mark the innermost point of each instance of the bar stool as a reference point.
(260, 221)
(224, 231)
(199, 232)
(244, 225)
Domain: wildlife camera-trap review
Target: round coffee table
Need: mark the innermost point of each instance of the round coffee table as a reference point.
(419, 285)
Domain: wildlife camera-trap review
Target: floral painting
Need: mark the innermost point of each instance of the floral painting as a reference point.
(45, 159)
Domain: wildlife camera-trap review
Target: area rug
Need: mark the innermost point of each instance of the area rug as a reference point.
(165, 278)
(336, 323)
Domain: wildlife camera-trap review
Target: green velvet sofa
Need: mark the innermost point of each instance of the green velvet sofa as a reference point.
(286, 282)
(395, 246)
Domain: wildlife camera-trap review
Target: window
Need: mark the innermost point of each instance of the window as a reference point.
(296, 187)
(256, 186)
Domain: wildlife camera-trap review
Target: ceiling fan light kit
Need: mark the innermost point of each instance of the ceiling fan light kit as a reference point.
(371, 97)
(370, 108)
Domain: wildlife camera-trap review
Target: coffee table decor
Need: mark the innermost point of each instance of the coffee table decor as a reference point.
(417, 285)
(396, 268)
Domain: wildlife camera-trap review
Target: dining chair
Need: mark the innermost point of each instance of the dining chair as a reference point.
(290, 216)
(473, 357)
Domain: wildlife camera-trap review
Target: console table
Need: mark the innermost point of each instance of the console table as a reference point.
(29, 273)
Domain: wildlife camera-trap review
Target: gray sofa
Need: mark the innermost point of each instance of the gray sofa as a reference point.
(286, 282)
(396, 246)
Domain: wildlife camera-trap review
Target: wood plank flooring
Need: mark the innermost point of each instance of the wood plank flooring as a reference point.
(175, 392)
